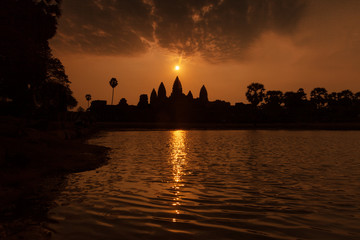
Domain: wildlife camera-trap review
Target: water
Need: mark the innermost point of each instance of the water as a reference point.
(216, 185)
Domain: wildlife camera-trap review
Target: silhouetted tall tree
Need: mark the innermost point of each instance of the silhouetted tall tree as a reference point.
(255, 93)
(88, 98)
(113, 83)
(24, 48)
(27, 68)
(53, 94)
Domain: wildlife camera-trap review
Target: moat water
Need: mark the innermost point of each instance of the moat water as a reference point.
(242, 184)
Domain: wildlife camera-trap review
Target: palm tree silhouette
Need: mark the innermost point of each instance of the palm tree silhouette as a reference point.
(88, 98)
(113, 83)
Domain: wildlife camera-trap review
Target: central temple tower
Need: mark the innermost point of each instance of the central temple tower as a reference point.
(177, 89)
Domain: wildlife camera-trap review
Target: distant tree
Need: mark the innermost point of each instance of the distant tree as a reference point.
(301, 95)
(255, 93)
(295, 100)
(80, 109)
(88, 98)
(332, 99)
(113, 83)
(319, 97)
(357, 100)
(345, 98)
(123, 102)
(274, 98)
(357, 96)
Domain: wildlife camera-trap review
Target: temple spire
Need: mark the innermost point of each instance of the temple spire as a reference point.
(153, 97)
(203, 94)
(162, 91)
(190, 95)
(177, 88)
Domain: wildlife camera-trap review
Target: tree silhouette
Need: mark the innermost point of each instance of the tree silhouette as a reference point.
(88, 98)
(345, 98)
(24, 45)
(123, 102)
(255, 93)
(113, 83)
(274, 98)
(319, 97)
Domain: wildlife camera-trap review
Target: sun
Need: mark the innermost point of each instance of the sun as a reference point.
(177, 67)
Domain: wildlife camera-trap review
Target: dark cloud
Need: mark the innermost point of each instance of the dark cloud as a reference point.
(105, 27)
(215, 29)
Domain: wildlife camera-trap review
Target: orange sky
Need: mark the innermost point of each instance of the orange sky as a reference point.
(321, 50)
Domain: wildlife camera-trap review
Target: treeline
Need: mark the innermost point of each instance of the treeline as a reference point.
(265, 107)
(32, 80)
(320, 105)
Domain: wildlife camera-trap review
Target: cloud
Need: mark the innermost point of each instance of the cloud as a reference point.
(105, 27)
(215, 29)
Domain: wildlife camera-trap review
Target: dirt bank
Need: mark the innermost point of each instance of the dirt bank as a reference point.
(33, 166)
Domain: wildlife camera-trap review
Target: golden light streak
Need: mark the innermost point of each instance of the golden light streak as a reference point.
(178, 161)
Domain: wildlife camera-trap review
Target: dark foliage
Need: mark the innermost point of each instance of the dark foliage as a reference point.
(28, 71)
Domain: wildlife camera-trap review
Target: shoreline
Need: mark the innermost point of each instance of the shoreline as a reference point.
(145, 126)
(34, 167)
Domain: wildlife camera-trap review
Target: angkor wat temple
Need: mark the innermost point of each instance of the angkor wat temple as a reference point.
(273, 107)
(178, 107)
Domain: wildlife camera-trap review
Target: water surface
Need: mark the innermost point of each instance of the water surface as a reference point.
(216, 185)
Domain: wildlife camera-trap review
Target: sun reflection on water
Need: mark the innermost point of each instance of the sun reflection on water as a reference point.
(178, 161)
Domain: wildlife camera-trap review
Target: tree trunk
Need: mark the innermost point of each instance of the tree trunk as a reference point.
(112, 98)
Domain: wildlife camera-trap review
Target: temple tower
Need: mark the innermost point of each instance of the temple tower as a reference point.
(153, 97)
(162, 92)
(203, 94)
(177, 89)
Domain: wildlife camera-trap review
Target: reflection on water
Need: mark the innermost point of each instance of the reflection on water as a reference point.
(178, 161)
(216, 185)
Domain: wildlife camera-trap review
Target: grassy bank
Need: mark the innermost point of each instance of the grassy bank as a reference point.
(33, 167)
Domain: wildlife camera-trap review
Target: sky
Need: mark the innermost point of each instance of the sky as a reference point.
(222, 44)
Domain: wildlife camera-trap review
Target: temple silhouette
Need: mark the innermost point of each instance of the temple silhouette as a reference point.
(264, 107)
(177, 107)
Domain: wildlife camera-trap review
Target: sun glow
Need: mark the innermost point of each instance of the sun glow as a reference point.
(177, 67)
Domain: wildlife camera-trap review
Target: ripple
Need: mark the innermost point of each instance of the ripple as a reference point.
(216, 185)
